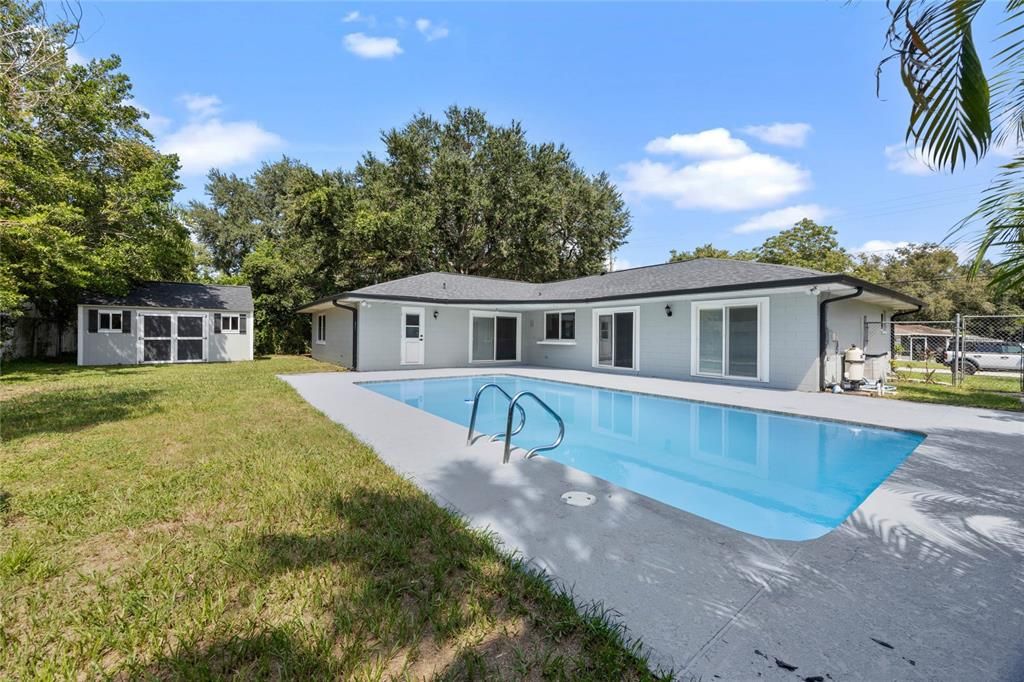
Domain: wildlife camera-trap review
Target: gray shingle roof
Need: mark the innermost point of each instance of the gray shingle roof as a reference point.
(698, 274)
(179, 295)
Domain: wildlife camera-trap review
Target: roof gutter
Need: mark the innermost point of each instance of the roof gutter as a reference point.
(355, 330)
(823, 331)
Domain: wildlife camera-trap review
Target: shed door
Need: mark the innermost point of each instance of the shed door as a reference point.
(157, 338)
(190, 344)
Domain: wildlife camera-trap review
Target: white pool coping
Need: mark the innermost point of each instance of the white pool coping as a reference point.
(910, 567)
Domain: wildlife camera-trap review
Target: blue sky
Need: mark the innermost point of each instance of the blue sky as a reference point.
(679, 103)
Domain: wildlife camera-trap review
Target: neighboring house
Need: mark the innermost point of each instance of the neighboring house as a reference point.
(705, 319)
(161, 322)
(920, 341)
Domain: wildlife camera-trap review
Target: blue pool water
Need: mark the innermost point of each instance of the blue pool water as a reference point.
(776, 476)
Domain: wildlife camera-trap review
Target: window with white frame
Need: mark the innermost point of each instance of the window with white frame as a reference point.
(321, 328)
(559, 326)
(229, 324)
(110, 320)
(730, 339)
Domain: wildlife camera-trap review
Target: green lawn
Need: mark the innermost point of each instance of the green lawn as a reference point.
(998, 393)
(203, 521)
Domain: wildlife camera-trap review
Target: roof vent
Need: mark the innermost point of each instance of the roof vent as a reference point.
(444, 285)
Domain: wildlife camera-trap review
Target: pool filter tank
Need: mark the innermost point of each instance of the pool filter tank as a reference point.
(853, 365)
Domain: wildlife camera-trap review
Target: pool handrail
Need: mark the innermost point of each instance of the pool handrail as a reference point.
(508, 436)
(476, 404)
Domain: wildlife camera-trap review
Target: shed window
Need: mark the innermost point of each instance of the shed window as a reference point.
(321, 329)
(229, 324)
(560, 326)
(110, 321)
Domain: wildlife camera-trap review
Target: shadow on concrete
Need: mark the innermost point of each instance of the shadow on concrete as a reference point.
(956, 502)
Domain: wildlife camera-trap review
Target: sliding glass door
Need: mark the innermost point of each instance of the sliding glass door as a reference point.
(494, 337)
(615, 344)
(729, 339)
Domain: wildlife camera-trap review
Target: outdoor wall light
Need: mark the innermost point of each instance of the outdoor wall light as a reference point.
(435, 314)
(668, 310)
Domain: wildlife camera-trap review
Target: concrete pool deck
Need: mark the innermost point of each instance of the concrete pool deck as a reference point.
(925, 580)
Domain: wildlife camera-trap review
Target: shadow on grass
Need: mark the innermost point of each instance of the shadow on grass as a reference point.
(272, 654)
(19, 371)
(72, 409)
(420, 580)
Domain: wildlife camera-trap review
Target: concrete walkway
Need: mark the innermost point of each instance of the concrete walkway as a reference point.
(925, 580)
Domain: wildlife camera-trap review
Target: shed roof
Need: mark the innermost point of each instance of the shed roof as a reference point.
(179, 295)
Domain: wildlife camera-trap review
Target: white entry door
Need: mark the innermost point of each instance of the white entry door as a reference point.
(412, 336)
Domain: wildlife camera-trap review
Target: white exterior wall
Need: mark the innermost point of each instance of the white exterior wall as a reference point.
(445, 339)
(337, 347)
(118, 348)
(664, 342)
(846, 327)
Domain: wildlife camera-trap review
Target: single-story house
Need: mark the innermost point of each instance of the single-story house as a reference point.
(704, 319)
(161, 322)
(913, 341)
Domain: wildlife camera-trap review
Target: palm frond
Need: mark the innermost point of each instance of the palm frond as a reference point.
(950, 118)
(1000, 214)
(1007, 84)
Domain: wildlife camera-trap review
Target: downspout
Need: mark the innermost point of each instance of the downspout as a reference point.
(355, 331)
(892, 332)
(823, 332)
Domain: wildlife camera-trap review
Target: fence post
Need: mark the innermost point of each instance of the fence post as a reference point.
(955, 365)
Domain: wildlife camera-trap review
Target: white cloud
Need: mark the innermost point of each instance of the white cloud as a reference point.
(201, 106)
(782, 218)
(372, 47)
(744, 182)
(716, 143)
(907, 160)
(201, 145)
(156, 123)
(75, 57)
(880, 246)
(620, 264)
(783, 134)
(430, 30)
(357, 17)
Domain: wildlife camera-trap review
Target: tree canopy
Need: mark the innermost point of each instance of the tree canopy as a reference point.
(930, 272)
(86, 201)
(458, 195)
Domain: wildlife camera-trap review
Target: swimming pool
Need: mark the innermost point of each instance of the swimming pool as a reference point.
(772, 475)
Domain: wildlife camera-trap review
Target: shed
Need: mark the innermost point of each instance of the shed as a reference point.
(164, 322)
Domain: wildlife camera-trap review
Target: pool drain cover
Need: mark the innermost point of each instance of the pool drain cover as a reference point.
(578, 499)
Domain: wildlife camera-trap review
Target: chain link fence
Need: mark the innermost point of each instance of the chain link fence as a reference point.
(987, 353)
(970, 359)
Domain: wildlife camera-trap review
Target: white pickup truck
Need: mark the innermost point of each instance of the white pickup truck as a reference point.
(989, 355)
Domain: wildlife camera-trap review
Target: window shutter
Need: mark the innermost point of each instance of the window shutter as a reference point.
(94, 320)
(126, 322)
(241, 323)
(216, 323)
